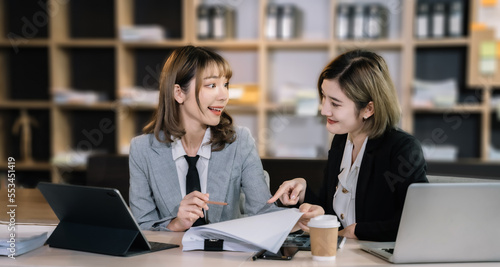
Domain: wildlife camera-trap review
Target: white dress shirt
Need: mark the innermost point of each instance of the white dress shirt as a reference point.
(182, 166)
(344, 200)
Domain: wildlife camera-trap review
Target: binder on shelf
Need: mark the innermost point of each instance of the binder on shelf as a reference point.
(215, 22)
(422, 22)
(288, 22)
(203, 22)
(361, 21)
(282, 21)
(456, 19)
(272, 21)
(358, 22)
(343, 21)
(438, 20)
(376, 21)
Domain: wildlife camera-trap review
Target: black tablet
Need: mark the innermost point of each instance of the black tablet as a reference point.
(95, 219)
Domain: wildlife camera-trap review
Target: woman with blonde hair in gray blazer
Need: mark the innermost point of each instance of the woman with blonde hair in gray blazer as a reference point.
(191, 153)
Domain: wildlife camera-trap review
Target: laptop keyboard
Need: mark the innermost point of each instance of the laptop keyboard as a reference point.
(388, 250)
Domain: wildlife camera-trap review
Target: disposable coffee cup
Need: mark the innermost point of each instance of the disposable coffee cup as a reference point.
(323, 231)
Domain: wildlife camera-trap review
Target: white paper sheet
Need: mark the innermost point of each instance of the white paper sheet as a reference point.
(265, 231)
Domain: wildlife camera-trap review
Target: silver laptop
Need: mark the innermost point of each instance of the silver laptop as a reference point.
(446, 222)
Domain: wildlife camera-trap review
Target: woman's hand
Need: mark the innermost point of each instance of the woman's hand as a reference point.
(190, 209)
(290, 192)
(310, 211)
(349, 231)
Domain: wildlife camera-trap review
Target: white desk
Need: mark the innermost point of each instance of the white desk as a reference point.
(349, 255)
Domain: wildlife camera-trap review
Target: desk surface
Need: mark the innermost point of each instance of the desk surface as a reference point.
(33, 208)
(349, 255)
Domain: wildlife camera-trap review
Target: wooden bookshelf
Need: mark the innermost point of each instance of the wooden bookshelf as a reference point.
(88, 54)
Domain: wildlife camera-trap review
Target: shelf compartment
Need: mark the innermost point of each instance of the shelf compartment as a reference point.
(460, 129)
(25, 19)
(91, 131)
(148, 64)
(243, 118)
(141, 119)
(167, 14)
(91, 19)
(244, 64)
(284, 72)
(25, 74)
(440, 63)
(283, 144)
(90, 69)
(11, 143)
(31, 178)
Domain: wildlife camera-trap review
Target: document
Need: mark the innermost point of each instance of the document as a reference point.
(265, 231)
(18, 244)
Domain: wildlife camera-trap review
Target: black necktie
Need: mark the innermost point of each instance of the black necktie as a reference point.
(193, 181)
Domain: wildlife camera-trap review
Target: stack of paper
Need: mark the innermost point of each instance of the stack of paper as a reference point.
(18, 243)
(266, 231)
(435, 93)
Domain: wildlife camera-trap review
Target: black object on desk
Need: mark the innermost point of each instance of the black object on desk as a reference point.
(302, 241)
(95, 219)
(285, 253)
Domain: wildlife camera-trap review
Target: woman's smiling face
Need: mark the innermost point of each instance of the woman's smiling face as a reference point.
(340, 111)
(213, 97)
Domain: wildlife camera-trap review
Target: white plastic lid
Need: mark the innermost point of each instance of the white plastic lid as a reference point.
(324, 221)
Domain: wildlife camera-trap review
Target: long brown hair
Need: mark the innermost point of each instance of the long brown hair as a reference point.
(184, 64)
(363, 76)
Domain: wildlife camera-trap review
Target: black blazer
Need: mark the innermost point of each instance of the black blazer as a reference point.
(390, 164)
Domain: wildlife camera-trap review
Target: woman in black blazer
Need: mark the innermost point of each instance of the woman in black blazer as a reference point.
(371, 162)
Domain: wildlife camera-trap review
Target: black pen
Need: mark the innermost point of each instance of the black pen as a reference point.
(258, 254)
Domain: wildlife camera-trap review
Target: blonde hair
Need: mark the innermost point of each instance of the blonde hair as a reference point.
(184, 64)
(363, 76)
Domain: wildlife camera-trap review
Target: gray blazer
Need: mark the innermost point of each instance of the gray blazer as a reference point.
(154, 185)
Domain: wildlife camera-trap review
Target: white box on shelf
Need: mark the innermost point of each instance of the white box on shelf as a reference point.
(435, 93)
(139, 96)
(440, 152)
(142, 33)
